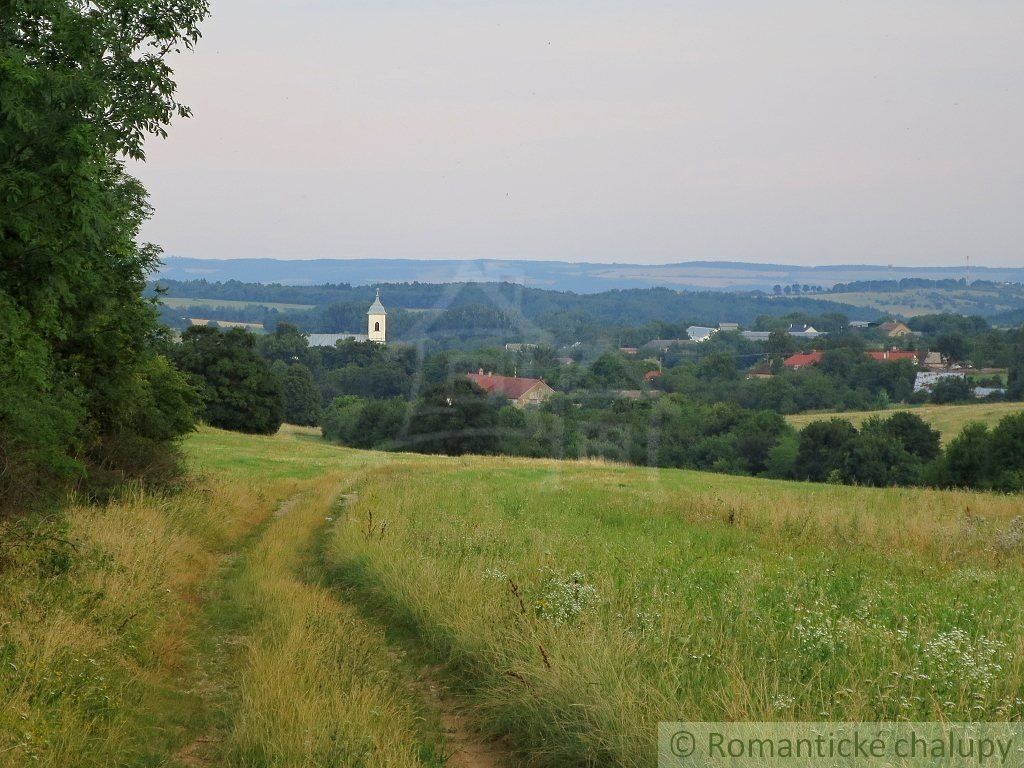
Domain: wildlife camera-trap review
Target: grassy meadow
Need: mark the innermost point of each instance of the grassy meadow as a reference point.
(180, 303)
(294, 602)
(948, 419)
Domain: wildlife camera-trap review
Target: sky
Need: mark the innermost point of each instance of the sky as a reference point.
(819, 132)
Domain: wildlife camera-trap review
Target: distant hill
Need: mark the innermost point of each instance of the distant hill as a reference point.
(559, 275)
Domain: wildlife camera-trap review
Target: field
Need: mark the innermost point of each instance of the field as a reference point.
(177, 303)
(948, 419)
(925, 301)
(299, 604)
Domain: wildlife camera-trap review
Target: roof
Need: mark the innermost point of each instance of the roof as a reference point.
(891, 326)
(700, 332)
(756, 335)
(800, 359)
(511, 387)
(728, 326)
(651, 375)
(331, 339)
(892, 354)
(377, 308)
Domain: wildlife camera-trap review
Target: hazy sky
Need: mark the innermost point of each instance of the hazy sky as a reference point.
(642, 131)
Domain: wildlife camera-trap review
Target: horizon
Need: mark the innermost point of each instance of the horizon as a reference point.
(605, 133)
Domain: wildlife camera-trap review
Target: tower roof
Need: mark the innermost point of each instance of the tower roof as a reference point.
(377, 308)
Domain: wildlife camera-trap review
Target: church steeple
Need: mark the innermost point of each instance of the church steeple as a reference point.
(377, 321)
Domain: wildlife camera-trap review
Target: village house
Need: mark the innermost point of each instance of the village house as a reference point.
(521, 391)
(731, 327)
(895, 330)
(803, 360)
(756, 335)
(803, 331)
(893, 355)
(763, 370)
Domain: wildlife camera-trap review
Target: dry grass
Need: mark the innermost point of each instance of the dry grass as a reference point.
(95, 626)
(948, 419)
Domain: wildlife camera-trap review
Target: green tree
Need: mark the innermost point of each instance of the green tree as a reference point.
(823, 448)
(914, 434)
(952, 346)
(341, 419)
(301, 397)
(1008, 453)
(876, 457)
(82, 85)
(967, 462)
(454, 418)
(238, 388)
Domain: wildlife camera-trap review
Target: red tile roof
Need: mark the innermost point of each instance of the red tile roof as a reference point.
(800, 359)
(511, 387)
(893, 354)
(651, 375)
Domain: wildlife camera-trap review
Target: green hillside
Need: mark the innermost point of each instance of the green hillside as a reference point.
(302, 604)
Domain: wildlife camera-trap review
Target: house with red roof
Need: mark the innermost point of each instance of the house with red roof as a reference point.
(893, 355)
(803, 359)
(521, 391)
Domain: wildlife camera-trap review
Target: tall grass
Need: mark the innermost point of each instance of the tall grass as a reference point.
(179, 630)
(319, 685)
(580, 605)
(96, 608)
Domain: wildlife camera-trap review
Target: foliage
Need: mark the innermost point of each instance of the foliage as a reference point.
(300, 395)
(82, 85)
(953, 389)
(239, 391)
(453, 418)
(824, 446)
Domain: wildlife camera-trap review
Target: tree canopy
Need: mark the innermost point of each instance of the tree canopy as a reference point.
(82, 85)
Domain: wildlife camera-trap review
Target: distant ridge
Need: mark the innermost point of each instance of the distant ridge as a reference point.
(560, 275)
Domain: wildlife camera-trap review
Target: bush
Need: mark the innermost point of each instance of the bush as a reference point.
(823, 448)
(876, 458)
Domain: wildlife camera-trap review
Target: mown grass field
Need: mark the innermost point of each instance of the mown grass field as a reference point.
(923, 301)
(179, 303)
(948, 419)
(285, 608)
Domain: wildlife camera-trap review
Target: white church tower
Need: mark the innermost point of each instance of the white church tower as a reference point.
(377, 321)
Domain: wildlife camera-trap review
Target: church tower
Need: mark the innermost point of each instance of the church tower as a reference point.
(377, 321)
